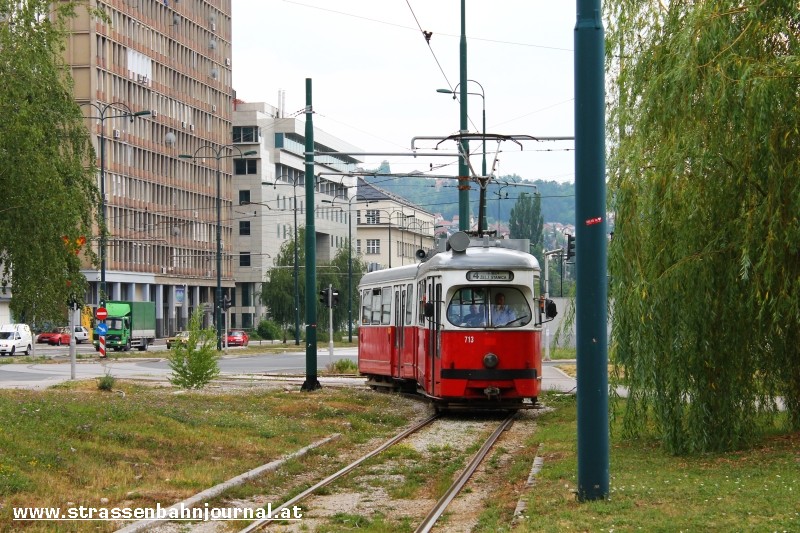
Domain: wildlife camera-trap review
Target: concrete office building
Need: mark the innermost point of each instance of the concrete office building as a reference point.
(173, 60)
(270, 203)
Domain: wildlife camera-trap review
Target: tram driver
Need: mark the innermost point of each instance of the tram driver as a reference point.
(502, 313)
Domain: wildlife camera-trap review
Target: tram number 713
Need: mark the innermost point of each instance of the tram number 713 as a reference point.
(469, 339)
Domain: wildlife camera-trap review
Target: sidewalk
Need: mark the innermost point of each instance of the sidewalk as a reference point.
(42, 376)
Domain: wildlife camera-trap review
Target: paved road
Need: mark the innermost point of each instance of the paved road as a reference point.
(43, 375)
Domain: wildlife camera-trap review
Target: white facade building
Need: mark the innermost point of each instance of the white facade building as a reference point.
(270, 202)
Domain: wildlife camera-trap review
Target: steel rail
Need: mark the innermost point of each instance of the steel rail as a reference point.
(459, 483)
(266, 520)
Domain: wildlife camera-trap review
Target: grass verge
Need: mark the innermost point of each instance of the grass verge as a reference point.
(76, 445)
(752, 490)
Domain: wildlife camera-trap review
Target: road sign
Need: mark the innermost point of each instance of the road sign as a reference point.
(102, 328)
(101, 313)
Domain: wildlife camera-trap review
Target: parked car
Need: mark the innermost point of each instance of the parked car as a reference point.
(81, 334)
(181, 338)
(54, 336)
(238, 337)
(15, 338)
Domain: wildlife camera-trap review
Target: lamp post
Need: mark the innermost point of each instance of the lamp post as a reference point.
(421, 225)
(349, 262)
(294, 185)
(218, 155)
(102, 116)
(377, 221)
(482, 94)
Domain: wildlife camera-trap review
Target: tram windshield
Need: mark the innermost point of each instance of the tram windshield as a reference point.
(492, 307)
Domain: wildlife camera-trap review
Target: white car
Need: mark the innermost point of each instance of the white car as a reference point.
(81, 334)
(15, 338)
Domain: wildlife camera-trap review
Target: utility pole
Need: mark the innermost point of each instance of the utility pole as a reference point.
(330, 323)
(590, 230)
(463, 166)
(311, 382)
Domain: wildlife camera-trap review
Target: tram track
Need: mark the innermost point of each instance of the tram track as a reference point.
(441, 505)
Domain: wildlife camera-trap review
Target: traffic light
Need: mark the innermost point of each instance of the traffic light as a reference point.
(73, 302)
(323, 297)
(335, 298)
(226, 302)
(570, 247)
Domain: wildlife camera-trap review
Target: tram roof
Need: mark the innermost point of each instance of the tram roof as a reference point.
(473, 258)
(481, 258)
(390, 274)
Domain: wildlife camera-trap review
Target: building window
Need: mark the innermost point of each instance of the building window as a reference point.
(244, 227)
(358, 246)
(373, 216)
(247, 294)
(373, 246)
(244, 197)
(245, 134)
(244, 259)
(245, 166)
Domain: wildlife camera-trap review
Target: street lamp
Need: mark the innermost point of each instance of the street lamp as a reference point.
(482, 201)
(377, 221)
(421, 225)
(349, 262)
(126, 113)
(294, 185)
(218, 155)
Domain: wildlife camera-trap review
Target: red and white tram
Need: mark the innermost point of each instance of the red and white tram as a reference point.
(462, 327)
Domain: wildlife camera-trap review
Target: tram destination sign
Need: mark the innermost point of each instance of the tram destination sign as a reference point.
(490, 275)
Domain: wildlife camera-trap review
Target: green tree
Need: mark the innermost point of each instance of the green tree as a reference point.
(278, 290)
(526, 222)
(704, 179)
(336, 274)
(46, 163)
(196, 363)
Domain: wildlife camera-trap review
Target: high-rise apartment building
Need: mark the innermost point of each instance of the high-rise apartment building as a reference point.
(154, 80)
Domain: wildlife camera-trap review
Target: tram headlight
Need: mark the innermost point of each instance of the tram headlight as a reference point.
(490, 360)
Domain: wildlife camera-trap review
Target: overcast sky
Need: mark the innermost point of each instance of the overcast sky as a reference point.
(375, 77)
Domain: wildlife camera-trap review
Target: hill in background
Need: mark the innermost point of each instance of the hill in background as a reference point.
(441, 195)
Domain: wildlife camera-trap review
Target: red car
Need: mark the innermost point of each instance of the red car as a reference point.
(57, 337)
(238, 337)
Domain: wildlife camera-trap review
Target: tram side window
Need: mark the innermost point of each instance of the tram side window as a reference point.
(386, 306)
(366, 307)
(421, 307)
(376, 307)
(409, 304)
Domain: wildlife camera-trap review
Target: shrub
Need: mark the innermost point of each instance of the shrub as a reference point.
(195, 364)
(106, 382)
(269, 330)
(344, 366)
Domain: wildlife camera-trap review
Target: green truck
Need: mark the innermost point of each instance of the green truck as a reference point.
(130, 325)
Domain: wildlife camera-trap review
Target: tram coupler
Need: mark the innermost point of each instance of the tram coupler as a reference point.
(492, 392)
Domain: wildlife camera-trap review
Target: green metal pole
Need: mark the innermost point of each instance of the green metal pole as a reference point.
(311, 382)
(590, 257)
(218, 297)
(463, 167)
(350, 269)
